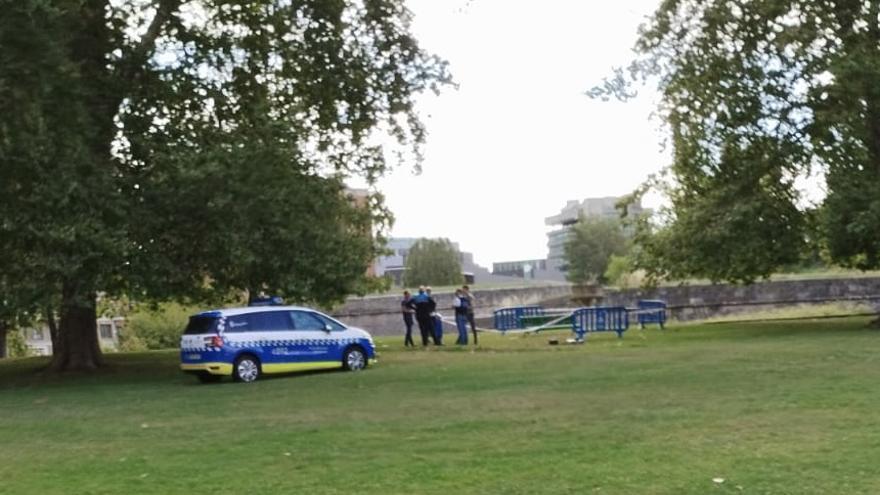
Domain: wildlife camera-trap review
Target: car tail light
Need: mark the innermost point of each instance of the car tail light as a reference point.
(215, 341)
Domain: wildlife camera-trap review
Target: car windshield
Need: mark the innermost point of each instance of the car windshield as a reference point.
(334, 325)
(201, 324)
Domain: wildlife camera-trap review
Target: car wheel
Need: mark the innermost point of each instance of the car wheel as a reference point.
(208, 377)
(354, 359)
(246, 369)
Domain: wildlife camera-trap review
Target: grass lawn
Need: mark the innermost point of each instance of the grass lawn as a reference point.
(781, 408)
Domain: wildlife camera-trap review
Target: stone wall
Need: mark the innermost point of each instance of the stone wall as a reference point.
(705, 301)
(381, 314)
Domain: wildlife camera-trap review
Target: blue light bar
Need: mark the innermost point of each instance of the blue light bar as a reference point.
(267, 301)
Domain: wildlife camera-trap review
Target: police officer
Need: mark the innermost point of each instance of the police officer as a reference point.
(437, 322)
(407, 308)
(470, 310)
(424, 307)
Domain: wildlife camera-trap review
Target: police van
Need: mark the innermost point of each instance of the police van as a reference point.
(247, 342)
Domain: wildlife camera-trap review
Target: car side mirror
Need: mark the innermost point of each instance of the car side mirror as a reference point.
(328, 328)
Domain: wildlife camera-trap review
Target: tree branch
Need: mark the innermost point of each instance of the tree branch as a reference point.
(144, 49)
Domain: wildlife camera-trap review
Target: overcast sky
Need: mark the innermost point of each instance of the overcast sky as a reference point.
(518, 138)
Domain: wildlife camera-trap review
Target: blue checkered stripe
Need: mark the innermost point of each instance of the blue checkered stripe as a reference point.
(291, 343)
(273, 343)
(201, 349)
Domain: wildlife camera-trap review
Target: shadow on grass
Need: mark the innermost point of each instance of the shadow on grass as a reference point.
(161, 367)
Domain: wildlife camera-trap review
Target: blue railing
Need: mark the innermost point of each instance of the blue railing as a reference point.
(652, 311)
(589, 319)
(511, 318)
(599, 319)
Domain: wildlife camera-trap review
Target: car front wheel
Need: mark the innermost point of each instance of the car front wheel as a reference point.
(246, 369)
(354, 359)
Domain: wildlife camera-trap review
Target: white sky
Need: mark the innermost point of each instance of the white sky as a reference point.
(519, 138)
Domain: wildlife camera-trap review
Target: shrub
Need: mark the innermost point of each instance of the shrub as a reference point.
(16, 345)
(155, 328)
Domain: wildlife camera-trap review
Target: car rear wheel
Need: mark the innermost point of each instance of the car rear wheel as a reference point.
(246, 369)
(354, 359)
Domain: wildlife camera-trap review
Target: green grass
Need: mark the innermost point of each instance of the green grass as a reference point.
(772, 408)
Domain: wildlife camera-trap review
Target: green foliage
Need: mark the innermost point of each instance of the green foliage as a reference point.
(620, 267)
(757, 94)
(592, 243)
(155, 328)
(433, 262)
(129, 341)
(187, 150)
(16, 345)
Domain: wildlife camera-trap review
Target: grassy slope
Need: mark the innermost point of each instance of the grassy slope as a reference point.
(787, 407)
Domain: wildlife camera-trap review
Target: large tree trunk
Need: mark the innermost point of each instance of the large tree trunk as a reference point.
(77, 346)
(3, 327)
(53, 326)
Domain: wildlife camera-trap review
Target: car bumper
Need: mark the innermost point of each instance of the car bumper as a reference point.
(224, 369)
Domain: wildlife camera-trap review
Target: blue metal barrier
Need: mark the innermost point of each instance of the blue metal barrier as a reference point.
(599, 319)
(646, 316)
(511, 318)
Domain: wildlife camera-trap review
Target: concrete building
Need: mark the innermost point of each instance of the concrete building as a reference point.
(39, 340)
(564, 221)
(521, 269)
(361, 199)
(528, 270)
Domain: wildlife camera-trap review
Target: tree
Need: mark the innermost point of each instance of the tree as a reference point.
(4, 331)
(592, 243)
(620, 271)
(433, 262)
(757, 94)
(189, 149)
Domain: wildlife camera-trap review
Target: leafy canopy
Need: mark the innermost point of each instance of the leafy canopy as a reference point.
(433, 262)
(590, 248)
(757, 94)
(174, 148)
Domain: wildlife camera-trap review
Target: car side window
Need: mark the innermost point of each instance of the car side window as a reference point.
(275, 321)
(303, 320)
(239, 323)
(268, 321)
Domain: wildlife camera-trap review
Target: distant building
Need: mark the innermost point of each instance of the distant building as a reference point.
(39, 340)
(565, 220)
(361, 199)
(395, 260)
(521, 269)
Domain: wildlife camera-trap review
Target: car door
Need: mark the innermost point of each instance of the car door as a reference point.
(317, 342)
(265, 334)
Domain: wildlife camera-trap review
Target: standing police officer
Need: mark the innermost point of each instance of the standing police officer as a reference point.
(424, 307)
(407, 307)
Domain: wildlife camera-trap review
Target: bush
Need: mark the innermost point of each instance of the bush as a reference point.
(131, 342)
(16, 345)
(619, 270)
(155, 328)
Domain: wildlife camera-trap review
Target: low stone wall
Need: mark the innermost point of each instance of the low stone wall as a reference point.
(706, 301)
(381, 314)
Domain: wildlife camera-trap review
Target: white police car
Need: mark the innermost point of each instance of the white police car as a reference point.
(246, 342)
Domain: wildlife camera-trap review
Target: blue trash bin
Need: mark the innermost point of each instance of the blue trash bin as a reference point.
(438, 328)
